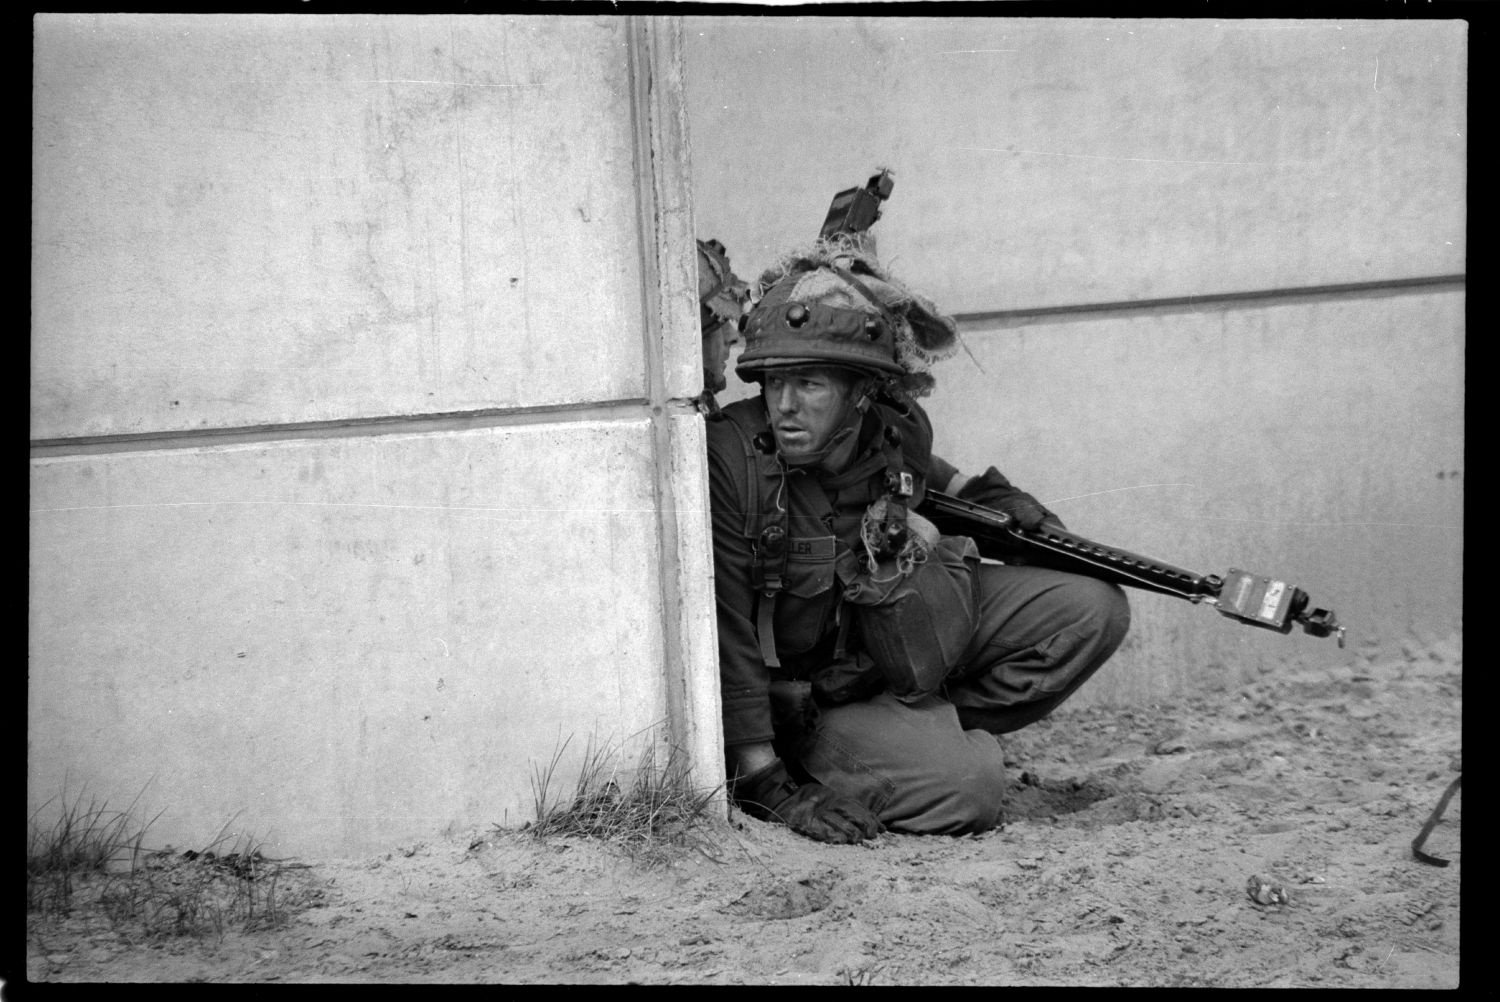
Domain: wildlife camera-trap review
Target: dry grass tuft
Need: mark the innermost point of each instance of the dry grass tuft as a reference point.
(93, 858)
(84, 840)
(228, 884)
(654, 817)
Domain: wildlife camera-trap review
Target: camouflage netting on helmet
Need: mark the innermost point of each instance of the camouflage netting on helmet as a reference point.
(721, 292)
(923, 335)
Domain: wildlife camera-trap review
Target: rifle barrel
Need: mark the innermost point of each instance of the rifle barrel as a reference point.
(998, 537)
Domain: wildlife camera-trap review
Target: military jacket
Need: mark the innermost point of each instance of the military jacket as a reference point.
(823, 516)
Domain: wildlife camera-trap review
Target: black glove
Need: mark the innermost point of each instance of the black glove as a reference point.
(1027, 511)
(810, 809)
(992, 490)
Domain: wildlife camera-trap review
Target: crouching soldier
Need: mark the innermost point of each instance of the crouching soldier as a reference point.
(867, 662)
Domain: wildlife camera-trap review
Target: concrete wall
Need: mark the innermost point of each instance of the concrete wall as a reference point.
(1210, 273)
(1319, 440)
(363, 470)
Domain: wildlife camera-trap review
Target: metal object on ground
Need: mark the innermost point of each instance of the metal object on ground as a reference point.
(1437, 813)
(1265, 891)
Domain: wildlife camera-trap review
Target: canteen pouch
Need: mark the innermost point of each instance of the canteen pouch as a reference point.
(915, 626)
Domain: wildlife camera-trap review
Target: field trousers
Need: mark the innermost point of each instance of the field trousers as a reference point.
(934, 766)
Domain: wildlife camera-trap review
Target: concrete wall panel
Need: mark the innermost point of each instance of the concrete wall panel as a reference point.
(267, 219)
(349, 640)
(1046, 162)
(1317, 441)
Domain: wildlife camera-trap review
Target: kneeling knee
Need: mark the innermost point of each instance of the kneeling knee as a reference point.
(976, 797)
(1102, 607)
(986, 797)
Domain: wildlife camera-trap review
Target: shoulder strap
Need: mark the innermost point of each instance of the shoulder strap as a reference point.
(765, 525)
(759, 475)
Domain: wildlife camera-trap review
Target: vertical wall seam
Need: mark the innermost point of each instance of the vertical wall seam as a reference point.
(639, 58)
(665, 207)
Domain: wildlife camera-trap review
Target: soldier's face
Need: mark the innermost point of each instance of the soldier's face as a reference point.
(719, 336)
(806, 406)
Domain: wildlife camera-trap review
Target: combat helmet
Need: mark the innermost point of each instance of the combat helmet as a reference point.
(721, 293)
(835, 305)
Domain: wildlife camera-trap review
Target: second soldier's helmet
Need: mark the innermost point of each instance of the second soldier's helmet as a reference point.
(721, 293)
(835, 305)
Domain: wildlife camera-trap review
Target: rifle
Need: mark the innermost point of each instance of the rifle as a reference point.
(1248, 598)
(854, 210)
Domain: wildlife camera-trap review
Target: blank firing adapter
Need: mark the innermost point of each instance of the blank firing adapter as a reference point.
(1273, 604)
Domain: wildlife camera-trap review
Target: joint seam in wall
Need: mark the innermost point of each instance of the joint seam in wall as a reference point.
(641, 57)
(196, 438)
(1256, 297)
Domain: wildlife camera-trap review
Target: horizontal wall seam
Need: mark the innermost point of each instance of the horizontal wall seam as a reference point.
(1387, 287)
(611, 409)
(508, 417)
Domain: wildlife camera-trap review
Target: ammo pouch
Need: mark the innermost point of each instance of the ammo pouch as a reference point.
(915, 626)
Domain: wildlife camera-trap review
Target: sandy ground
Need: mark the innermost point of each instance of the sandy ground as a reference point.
(1129, 838)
